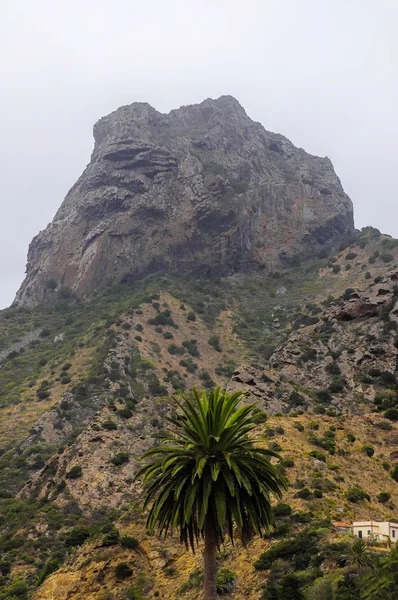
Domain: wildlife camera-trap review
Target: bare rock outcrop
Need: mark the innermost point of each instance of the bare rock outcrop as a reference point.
(202, 190)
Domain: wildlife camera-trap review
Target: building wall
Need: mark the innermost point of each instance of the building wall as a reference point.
(382, 530)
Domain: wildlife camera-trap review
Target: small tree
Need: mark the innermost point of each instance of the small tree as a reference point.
(208, 476)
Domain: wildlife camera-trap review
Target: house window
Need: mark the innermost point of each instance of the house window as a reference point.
(369, 532)
(360, 533)
(393, 533)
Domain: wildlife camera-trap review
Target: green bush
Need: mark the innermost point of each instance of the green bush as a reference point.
(191, 347)
(351, 438)
(391, 414)
(121, 458)
(303, 494)
(111, 538)
(168, 335)
(162, 318)
(124, 413)
(387, 257)
(282, 510)
(259, 417)
(357, 494)
(175, 350)
(394, 473)
(189, 365)
(139, 327)
(226, 580)
(127, 541)
(336, 269)
(214, 341)
(288, 463)
(109, 425)
(74, 473)
(383, 497)
(191, 316)
(299, 426)
(122, 570)
(368, 450)
(76, 536)
(351, 256)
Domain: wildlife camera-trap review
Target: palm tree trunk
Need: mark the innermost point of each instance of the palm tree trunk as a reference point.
(210, 561)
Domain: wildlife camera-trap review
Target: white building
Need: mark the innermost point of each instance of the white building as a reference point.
(378, 530)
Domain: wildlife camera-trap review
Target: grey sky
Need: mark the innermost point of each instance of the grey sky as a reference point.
(322, 72)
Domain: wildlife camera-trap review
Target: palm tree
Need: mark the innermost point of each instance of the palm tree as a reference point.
(358, 557)
(208, 476)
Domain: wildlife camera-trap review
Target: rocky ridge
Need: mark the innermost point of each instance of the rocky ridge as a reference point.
(202, 190)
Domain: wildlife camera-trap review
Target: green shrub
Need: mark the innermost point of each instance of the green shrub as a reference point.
(324, 396)
(357, 494)
(175, 350)
(76, 536)
(351, 256)
(383, 497)
(318, 493)
(121, 458)
(287, 463)
(122, 570)
(303, 494)
(74, 473)
(367, 275)
(168, 335)
(109, 425)
(387, 257)
(282, 510)
(111, 538)
(394, 473)
(126, 326)
(351, 438)
(127, 541)
(139, 327)
(299, 551)
(207, 380)
(318, 455)
(191, 316)
(189, 365)
(66, 366)
(214, 341)
(124, 413)
(162, 318)
(226, 580)
(391, 414)
(259, 417)
(299, 426)
(191, 347)
(348, 266)
(369, 450)
(138, 338)
(336, 269)
(65, 380)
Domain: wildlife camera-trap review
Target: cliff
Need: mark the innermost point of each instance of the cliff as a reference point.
(203, 190)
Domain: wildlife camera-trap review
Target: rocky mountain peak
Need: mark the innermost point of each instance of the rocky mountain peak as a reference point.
(202, 190)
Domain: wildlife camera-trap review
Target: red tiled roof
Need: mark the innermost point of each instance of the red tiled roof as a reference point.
(339, 524)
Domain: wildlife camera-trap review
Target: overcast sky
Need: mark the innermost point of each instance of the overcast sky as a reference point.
(322, 72)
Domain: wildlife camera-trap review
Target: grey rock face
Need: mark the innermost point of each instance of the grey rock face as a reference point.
(202, 190)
